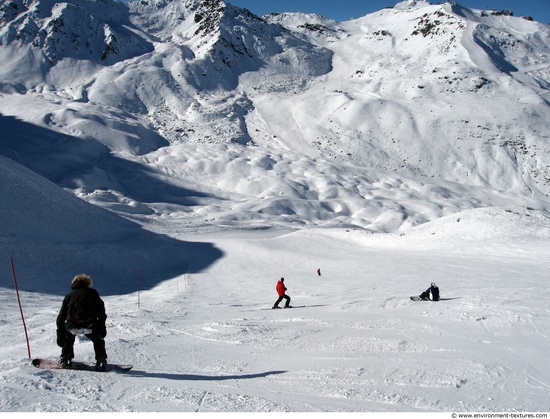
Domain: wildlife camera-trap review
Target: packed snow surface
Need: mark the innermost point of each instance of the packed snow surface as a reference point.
(187, 169)
(210, 342)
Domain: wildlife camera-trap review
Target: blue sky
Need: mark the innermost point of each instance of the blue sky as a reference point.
(341, 10)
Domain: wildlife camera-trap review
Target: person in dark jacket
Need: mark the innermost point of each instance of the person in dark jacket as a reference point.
(281, 291)
(82, 313)
(431, 293)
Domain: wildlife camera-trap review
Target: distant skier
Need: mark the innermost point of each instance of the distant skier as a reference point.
(319, 271)
(82, 312)
(431, 293)
(281, 291)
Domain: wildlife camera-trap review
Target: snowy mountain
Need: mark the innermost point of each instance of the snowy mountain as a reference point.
(183, 108)
(187, 154)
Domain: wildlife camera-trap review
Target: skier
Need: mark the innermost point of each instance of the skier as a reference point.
(82, 313)
(433, 291)
(319, 271)
(281, 291)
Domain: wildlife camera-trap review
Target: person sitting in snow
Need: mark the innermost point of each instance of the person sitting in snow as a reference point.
(281, 291)
(431, 293)
(82, 312)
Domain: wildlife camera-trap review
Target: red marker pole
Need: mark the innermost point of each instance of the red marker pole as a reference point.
(139, 285)
(20, 306)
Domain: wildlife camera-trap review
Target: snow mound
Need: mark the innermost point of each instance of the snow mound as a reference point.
(486, 224)
(52, 235)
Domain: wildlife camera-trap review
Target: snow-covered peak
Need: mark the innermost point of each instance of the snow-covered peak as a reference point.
(411, 4)
(95, 30)
(313, 27)
(192, 23)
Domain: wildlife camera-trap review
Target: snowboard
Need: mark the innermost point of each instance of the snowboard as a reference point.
(49, 364)
(276, 308)
(417, 298)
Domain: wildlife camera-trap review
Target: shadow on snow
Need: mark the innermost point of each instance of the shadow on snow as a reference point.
(53, 235)
(193, 377)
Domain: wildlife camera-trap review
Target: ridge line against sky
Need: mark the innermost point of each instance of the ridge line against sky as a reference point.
(343, 10)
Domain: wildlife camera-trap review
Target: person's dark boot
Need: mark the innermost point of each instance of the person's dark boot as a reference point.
(66, 363)
(101, 365)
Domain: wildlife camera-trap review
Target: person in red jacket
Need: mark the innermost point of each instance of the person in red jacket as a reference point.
(281, 291)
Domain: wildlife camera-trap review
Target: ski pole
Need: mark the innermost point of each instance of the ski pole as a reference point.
(20, 306)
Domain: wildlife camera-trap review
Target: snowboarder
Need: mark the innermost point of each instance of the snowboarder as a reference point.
(431, 293)
(82, 313)
(281, 291)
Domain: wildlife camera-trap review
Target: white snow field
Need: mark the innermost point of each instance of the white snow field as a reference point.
(188, 154)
